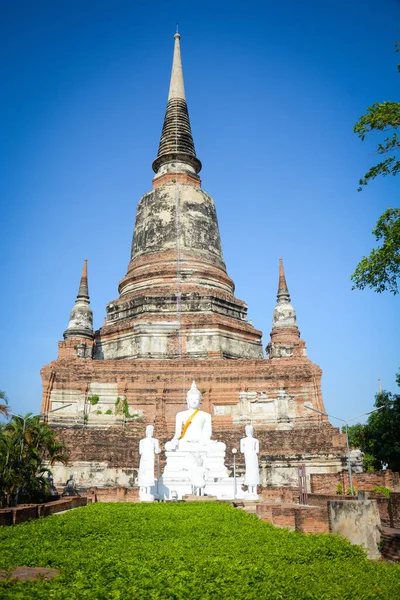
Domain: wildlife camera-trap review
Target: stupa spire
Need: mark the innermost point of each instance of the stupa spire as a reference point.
(283, 290)
(176, 86)
(80, 323)
(285, 335)
(83, 291)
(176, 152)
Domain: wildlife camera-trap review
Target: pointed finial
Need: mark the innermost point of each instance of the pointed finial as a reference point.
(177, 87)
(177, 28)
(83, 291)
(283, 291)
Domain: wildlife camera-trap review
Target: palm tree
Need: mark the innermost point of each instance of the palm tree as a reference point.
(3, 407)
(27, 446)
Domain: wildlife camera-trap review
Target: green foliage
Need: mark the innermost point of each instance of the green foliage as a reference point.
(356, 435)
(3, 404)
(358, 439)
(370, 463)
(379, 438)
(380, 270)
(86, 418)
(339, 488)
(99, 412)
(382, 489)
(108, 411)
(351, 492)
(383, 431)
(25, 447)
(381, 117)
(122, 408)
(181, 551)
(93, 399)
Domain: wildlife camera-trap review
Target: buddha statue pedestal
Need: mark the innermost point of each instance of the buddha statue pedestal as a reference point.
(198, 471)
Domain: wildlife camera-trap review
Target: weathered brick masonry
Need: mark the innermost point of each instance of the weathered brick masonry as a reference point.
(118, 446)
(158, 388)
(327, 483)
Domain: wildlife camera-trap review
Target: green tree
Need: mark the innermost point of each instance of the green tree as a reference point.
(383, 431)
(3, 404)
(380, 270)
(356, 435)
(358, 439)
(379, 438)
(27, 447)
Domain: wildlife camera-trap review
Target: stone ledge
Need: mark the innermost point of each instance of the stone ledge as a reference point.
(23, 513)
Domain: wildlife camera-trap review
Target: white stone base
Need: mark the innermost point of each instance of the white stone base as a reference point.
(223, 489)
(146, 497)
(177, 478)
(180, 463)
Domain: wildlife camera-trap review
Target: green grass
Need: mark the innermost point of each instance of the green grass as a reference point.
(186, 551)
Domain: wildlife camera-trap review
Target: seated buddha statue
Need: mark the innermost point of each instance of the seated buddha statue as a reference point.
(193, 426)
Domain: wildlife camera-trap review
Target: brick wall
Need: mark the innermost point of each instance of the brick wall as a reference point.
(6, 517)
(264, 511)
(312, 519)
(157, 387)
(118, 446)
(308, 519)
(278, 494)
(394, 510)
(327, 483)
(390, 544)
(22, 513)
(322, 499)
(284, 516)
(118, 494)
(383, 507)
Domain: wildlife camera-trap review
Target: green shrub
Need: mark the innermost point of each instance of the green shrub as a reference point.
(339, 488)
(186, 551)
(122, 408)
(351, 492)
(382, 489)
(93, 399)
(108, 411)
(99, 412)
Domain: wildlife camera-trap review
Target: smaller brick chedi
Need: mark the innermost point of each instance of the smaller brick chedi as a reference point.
(176, 320)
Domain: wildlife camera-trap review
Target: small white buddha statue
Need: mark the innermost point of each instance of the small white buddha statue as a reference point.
(249, 446)
(193, 426)
(148, 447)
(198, 474)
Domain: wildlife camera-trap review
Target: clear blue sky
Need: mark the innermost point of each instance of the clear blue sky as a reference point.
(273, 89)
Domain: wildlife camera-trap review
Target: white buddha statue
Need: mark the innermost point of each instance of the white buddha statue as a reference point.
(193, 426)
(249, 446)
(148, 447)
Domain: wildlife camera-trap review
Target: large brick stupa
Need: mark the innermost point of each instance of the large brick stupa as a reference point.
(177, 320)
